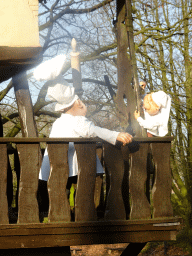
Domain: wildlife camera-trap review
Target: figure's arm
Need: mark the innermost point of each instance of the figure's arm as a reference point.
(86, 128)
(111, 136)
(148, 124)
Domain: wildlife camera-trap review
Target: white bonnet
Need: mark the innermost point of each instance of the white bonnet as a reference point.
(62, 93)
(160, 98)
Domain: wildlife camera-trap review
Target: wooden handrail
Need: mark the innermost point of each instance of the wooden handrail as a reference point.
(126, 171)
(80, 140)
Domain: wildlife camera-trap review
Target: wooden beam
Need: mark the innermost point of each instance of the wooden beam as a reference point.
(24, 103)
(83, 140)
(18, 54)
(79, 233)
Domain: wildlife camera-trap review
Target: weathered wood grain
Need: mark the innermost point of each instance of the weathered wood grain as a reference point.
(140, 208)
(3, 185)
(66, 234)
(30, 162)
(113, 158)
(84, 202)
(59, 209)
(86, 239)
(125, 185)
(161, 192)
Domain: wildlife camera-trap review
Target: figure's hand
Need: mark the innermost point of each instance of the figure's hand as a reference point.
(136, 114)
(124, 137)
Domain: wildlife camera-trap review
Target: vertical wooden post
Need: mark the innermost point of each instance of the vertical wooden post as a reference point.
(3, 185)
(129, 26)
(84, 202)
(115, 167)
(161, 192)
(29, 129)
(24, 103)
(125, 74)
(140, 208)
(59, 209)
(30, 162)
(76, 69)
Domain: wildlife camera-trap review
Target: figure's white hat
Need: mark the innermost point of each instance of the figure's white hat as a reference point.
(160, 98)
(50, 69)
(62, 93)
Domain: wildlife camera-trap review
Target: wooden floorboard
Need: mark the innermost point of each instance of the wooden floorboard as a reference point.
(82, 233)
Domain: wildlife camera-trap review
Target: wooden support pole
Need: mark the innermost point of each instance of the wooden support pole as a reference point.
(129, 26)
(125, 74)
(24, 103)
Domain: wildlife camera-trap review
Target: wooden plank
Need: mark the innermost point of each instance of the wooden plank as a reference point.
(17, 54)
(59, 209)
(81, 140)
(17, 170)
(3, 185)
(74, 233)
(90, 227)
(140, 208)
(84, 202)
(84, 239)
(113, 158)
(161, 192)
(30, 163)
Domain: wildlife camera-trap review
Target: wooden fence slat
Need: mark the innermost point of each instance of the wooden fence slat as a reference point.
(59, 209)
(140, 208)
(161, 192)
(84, 202)
(114, 163)
(30, 161)
(3, 185)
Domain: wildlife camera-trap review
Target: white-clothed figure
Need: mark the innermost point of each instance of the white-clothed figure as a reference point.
(74, 124)
(156, 110)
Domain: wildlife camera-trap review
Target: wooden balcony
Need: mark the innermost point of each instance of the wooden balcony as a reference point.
(136, 207)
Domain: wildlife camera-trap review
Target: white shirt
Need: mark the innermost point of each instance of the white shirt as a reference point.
(68, 126)
(157, 124)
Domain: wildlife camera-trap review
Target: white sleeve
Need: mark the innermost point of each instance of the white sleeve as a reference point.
(86, 128)
(149, 123)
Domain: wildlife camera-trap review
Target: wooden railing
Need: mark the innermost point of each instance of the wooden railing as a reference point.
(129, 179)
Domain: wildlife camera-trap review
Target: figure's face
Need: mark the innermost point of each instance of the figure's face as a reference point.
(150, 106)
(81, 108)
